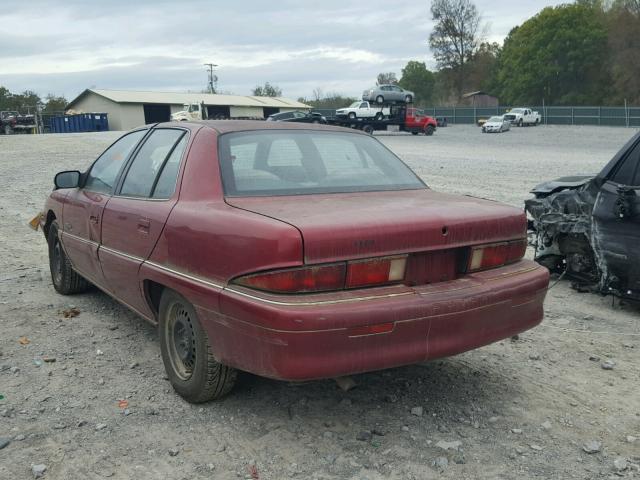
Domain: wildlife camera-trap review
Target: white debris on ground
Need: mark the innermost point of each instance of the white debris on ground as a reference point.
(540, 406)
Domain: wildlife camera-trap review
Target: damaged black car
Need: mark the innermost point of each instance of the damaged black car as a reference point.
(588, 227)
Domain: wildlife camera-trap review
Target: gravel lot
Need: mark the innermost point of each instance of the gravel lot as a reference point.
(526, 408)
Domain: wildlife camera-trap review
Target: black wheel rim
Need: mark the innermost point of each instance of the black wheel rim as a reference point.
(56, 262)
(181, 341)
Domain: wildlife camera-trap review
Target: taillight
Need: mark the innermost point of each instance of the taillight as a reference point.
(297, 280)
(376, 271)
(334, 276)
(494, 255)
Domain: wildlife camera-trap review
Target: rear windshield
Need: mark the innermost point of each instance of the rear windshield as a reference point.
(290, 162)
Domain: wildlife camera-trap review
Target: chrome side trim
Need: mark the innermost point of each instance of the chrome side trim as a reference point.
(122, 254)
(318, 302)
(185, 275)
(79, 239)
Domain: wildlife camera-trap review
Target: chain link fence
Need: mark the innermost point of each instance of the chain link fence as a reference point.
(606, 116)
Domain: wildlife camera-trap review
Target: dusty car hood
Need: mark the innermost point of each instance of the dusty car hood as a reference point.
(358, 225)
(573, 181)
(493, 124)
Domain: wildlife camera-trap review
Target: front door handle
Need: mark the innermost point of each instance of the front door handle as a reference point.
(94, 219)
(144, 224)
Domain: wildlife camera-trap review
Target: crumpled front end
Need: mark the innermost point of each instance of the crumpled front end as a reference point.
(568, 239)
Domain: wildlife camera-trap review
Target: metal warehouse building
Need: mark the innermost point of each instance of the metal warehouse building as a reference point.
(129, 109)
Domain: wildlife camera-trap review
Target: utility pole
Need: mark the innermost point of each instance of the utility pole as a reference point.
(213, 79)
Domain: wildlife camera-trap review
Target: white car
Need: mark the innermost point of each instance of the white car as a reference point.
(363, 110)
(523, 116)
(496, 124)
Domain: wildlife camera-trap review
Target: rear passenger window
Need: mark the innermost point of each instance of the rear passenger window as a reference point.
(166, 183)
(624, 174)
(148, 163)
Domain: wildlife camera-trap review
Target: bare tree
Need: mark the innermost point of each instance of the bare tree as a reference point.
(318, 94)
(455, 36)
(267, 90)
(387, 78)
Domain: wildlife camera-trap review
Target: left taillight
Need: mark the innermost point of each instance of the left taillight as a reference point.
(319, 278)
(335, 276)
(482, 257)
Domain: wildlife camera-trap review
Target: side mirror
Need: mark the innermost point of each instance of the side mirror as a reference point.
(67, 179)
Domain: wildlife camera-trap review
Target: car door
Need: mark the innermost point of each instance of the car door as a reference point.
(134, 218)
(616, 219)
(396, 93)
(83, 207)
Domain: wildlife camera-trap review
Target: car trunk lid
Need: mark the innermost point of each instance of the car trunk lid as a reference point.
(348, 226)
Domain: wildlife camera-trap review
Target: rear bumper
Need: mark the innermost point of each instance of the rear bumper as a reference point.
(310, 337)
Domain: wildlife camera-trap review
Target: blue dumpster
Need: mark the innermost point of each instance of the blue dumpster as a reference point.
(81, 122)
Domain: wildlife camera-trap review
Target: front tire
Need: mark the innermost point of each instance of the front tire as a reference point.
(64, 278)
(408, 99)
(379, 99)
(520, 122)
(352, 115)
(186, 353)
(428, 130)
(379, 116)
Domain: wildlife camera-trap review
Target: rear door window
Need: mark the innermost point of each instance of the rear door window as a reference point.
(166, 183)
(148, 163)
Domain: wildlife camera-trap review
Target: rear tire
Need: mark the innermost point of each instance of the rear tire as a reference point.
(64, 278)
(186, 353)
(379, 99)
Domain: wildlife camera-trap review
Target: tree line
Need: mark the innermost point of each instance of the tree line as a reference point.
(583, 53)
(27, 101)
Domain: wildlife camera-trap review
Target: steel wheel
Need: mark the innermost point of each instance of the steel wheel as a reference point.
(65, 280)
(187, 354)
(56, 262)
(181, 341)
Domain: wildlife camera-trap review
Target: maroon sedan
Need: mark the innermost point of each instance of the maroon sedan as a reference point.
(290, 251)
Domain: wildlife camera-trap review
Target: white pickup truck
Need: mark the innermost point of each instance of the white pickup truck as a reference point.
(363, 110)
(523, 116)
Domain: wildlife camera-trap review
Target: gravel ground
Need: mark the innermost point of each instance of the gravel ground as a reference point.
(526, 408)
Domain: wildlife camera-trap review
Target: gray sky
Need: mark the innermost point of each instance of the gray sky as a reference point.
(66, 46)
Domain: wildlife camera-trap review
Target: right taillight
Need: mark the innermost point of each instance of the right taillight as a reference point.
(482, 257)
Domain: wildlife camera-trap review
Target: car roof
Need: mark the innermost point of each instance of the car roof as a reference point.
(227, 126)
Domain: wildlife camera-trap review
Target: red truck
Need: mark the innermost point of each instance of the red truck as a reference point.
(401, 118)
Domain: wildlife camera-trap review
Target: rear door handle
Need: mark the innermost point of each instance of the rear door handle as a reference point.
(144, 224)
(94, 219)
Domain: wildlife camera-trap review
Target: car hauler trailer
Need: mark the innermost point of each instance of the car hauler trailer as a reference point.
(401, 118)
